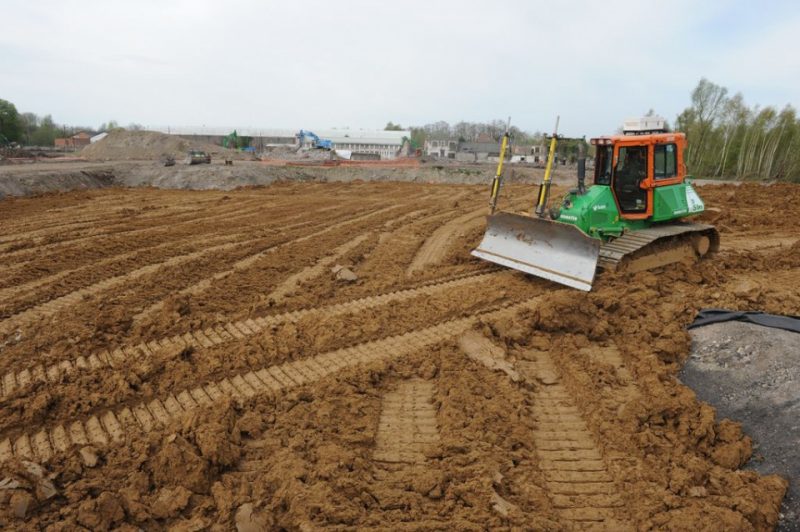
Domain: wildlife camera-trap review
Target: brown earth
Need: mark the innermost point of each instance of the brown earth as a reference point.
(188, 360)
(148, 145)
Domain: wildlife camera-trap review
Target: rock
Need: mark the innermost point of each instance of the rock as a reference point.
(500, 505)
(547, 377)
(45, 489)
(9, 483)
(344, 274)
(697, 491)
(34, 469)
(248, 520)
(497, 478)
(170, 501)
(21, 502)
(435, 493)
(189, 525)
(89, 456)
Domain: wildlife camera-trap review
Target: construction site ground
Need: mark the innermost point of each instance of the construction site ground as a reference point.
(312, 355)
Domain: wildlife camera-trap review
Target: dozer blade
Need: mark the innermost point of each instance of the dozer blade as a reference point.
(553, 250)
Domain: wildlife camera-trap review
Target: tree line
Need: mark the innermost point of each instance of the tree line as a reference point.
(727, 138)
(30, 129)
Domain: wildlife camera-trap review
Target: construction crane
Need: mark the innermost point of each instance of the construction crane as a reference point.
(316, 142)
(630, 219)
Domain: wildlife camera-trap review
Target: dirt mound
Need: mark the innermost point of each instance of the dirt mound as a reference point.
(140, 145)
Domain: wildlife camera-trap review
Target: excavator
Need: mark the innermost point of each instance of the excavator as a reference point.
(632, 218)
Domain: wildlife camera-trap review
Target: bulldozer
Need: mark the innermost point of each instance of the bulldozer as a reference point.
(632, 218)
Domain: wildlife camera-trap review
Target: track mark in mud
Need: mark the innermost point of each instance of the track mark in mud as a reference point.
(94, 232)
(204, 284)
(407, 427)
(435, 247)
(15, 291)
(62, 303)
(111, 425)
(577, 478)
(283, 290)
(212, 336)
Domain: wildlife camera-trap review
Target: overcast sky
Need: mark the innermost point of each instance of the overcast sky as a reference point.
(358, 64)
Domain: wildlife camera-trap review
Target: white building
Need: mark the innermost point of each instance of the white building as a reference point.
(372, 142)
(99, 136)
(441, 148)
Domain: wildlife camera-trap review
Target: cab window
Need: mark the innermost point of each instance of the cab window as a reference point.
(602, 168)
(665, 160)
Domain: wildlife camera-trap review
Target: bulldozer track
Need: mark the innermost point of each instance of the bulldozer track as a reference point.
(92, 212)
(147, 235)
(16, 382)
(577, 478)
(158, 225)
(7, 293)
(204, 284)
(54, 306)
(283, 290)
(435, 246)
(113, 425)
(617, 253)
(407, 428)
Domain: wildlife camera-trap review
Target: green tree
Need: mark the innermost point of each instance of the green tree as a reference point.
(393, 127)
(29, 123)
(108, 126)
(10, 126)
(418, 136)
(729, 139)
(46, 133)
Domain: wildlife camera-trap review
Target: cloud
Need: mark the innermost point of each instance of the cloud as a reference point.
(315, 64)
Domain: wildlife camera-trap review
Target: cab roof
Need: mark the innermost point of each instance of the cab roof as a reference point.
(646, 138)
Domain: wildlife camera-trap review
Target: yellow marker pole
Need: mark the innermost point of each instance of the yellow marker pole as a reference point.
(544, 188)
(499, 174)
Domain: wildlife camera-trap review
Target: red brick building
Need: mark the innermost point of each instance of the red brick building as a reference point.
(78, 140)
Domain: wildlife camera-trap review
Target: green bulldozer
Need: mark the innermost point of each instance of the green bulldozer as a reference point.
(631, 218)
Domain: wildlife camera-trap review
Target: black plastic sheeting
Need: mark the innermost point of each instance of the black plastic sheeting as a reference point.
(708, 316)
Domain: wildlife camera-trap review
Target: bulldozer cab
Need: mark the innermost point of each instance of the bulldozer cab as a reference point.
(634, 165)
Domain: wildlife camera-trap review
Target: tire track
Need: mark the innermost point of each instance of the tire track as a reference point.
(176, 239)
(283, 290)
(101, 222)
(61, 303)
(27, 288)
(202, 285)
(577, 479)
(55, 305)
(397, 248)
(161, 222)
(63, 217)
(407, 427)
(115, 425)
(576, 476)
(17, 382)
(159, 226)
(435, 247)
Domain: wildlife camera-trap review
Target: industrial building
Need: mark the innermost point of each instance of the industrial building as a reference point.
(360, 142)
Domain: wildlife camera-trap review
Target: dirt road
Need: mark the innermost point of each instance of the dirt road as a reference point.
(188, 359)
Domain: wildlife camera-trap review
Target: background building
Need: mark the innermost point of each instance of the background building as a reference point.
(361, 142)
(78, 140)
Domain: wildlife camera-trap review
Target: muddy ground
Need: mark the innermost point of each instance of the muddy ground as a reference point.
(188, 360)
(45, 177)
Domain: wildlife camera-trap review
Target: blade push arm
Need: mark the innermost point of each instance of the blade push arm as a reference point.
(498, 177)
(544, 188)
